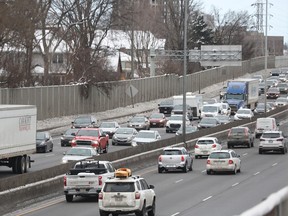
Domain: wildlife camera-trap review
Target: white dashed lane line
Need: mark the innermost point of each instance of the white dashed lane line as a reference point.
(203, 171)
(274, 164)
(245, 154)
(235, 184)
(207, 198)
(179, 181)
(177, 213)
(256, 173)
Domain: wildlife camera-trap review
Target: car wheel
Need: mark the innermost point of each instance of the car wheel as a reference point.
(152, 211)
(102, 213)
(106, 148)
(249, 145)
(190, 167)
(196, 156)
(239, 170)
(69, 198)
(160, 170)
(260, 151)
(45, 149)
(167, 131)
(208, 172)
(228, 146)
(185, 168)
(143, 211)
(51, 150)
(283, 151)
(235, 170)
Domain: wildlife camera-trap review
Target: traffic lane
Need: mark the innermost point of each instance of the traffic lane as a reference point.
(244, 195)
(189, 190)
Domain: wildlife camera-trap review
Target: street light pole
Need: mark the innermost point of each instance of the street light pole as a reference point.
(184, 74)
(266, 56)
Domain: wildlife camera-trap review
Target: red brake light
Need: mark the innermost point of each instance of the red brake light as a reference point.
(65, 181)
(262, 139)
(137, 195)
(196, 146)
(214, 146)
(94, 145)
(208, 161)
(100, 196)
(73, 143)
(182, 158)
(280, 139)
(160, 159)
(231, 162)
(100, 180)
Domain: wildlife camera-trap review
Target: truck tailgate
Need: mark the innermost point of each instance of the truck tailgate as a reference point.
(82, 180)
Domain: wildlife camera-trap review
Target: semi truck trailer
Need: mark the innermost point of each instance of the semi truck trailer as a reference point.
(18, 136)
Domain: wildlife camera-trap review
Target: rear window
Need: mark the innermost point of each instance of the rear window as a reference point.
(237, 130)
(219, 155)
(172, 152)
(205, 142)
(119, 187)
(270, 135)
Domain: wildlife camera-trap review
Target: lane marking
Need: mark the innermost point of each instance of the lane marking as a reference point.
(274, 164)
(203, 171)
(49, 155)
(177, 213)
(245, 154)
(256, 173)
(207, 198)
(179, 181)
(235, 184)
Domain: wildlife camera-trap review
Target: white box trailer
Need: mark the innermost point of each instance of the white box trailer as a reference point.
(194, 101)
(18, 136)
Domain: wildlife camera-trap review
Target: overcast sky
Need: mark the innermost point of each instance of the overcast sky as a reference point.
(278, 10)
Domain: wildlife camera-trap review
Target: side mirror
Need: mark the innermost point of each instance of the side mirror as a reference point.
(73, 134)
(64, 153)
(151, 186)
(238, 156)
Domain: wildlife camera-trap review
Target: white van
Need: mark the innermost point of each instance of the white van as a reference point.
(265, 124)
(211, 110)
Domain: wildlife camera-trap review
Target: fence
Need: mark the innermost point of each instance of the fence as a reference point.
(64, 100)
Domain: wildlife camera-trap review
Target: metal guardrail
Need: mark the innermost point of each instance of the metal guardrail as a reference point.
(275, 205)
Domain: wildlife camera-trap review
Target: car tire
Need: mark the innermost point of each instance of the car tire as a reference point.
(239, 170)
(260, 151)
(113, 143)
(160, 170)
(185, 168)
(235, 170)
(51, 150)
(196, 156)
(102, 213)
(190, 167)
(152, 211)
(143, 211)
(228, 146)
(69, 198)
(249, 145)
(283, 151)
(45, 149)
(106, 148)
(208, 172)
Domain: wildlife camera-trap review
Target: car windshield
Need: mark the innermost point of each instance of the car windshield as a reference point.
(281, 100)
(70, 131)
(270, 135)
(40, 135)
(178, 117)
(209, 109)
(208, 121)
(79, 152)
(82, 120)
(137, 119)
(144, 134)
(273, 90)
(119, 187)
(219, 155)
(237, 131)
(223, 117)
(124, 131)
(107, 125)
(243, 111)
(205, 141)
(166, 102)
(94, 133)
(156, 116)
(172, 152)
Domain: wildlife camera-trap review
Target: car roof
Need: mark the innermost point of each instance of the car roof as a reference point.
(272, 131)
(223, 150)
(89, 128)
(203, 138)
(81, 147)
(176, 148)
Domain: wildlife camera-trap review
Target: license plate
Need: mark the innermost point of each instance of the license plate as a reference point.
(270, 141)
(165, 111)
(154, 123)
(205, 152)
(170, 166)
(118, 199)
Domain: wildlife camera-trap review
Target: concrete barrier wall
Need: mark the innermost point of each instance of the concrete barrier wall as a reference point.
(56, 101)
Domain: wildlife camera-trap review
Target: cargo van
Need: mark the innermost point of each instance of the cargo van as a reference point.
(265, 124)
(211, 110)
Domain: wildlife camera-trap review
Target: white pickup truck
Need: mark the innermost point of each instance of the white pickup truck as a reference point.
(86, 178)
(175, 158)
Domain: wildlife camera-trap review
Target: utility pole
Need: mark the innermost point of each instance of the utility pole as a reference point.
(132, 42)
(184, 75)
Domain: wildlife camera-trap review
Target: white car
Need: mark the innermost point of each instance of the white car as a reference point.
(146, 136)
(205, 145)
(281, 101)
(226, 110)
(79, 153)
(243, 113)
(126, 194)
(222, 161)
(174, 123)
(109, 127)
(273, 141)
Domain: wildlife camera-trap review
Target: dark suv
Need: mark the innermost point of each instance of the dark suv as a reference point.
(166, 106)
(240, 136)
(85, 122)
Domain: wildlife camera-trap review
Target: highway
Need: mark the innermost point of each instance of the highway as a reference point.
(196, 193)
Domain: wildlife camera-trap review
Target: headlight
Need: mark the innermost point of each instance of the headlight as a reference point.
(62, 138)
(64, 161)
(114, 137)
(94, 142)
(42, 143)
